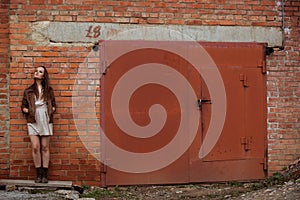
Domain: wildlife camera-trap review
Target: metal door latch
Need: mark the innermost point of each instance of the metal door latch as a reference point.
(202, 101)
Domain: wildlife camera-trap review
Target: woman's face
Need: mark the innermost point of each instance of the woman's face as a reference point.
(39, 73)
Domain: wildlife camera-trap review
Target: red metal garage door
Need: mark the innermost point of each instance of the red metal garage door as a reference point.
(180, 112)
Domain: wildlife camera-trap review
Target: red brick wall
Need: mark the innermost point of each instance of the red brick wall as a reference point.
(4, 93)
(69, 158)
(284, 93)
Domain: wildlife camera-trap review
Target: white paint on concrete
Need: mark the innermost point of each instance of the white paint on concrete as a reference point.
(76, 32)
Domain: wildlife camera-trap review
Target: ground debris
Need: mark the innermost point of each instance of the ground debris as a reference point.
(293, 170)
(282, 185)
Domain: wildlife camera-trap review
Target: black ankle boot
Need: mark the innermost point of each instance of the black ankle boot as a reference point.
(38, 175)
(44, 175)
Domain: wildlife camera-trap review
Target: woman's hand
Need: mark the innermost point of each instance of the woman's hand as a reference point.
(25, 110)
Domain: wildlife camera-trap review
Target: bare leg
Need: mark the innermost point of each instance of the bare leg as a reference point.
(45, 157)
(36, 150)
(45, 150)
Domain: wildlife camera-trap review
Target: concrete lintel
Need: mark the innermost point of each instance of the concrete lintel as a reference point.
(77, 32)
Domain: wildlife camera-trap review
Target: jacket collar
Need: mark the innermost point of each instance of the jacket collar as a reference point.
(30, 89)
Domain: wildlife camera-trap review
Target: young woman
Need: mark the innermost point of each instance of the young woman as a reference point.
(38, 106)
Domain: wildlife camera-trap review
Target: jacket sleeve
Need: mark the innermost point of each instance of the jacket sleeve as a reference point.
(52, 97)
(24, 102)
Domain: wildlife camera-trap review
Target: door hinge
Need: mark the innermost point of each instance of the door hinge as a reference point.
(244, 79)
(262, 65)
(103, 171)
(265, 164)
(103, 168)
(246, 142)
(104, 68)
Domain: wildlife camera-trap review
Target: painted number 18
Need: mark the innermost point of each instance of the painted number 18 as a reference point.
(93, 32)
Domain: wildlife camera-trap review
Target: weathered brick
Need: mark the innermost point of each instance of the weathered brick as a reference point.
(74, 2)
(55, 1)
(4, 92)
(63, 18)
(283, 139)
(37, 1)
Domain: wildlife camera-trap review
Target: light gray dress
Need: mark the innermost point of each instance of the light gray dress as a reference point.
(42, 127)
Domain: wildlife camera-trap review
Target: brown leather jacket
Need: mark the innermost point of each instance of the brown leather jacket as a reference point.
(29, 103)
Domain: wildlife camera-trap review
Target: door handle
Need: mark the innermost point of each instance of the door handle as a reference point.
(202, 101)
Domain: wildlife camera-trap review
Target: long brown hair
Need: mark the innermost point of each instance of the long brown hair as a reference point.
(45, 85)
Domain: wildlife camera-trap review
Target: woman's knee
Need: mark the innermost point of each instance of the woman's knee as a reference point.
(35, 144)
(36, 148)
(45, 148)
(45, 144)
